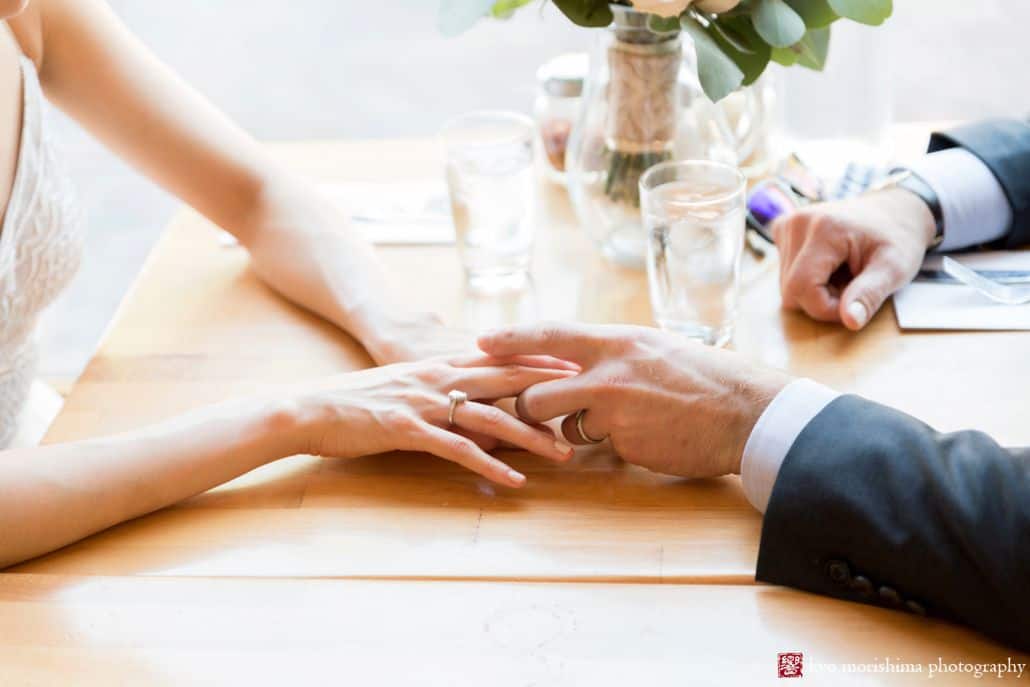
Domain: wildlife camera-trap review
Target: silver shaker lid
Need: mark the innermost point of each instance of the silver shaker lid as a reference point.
(563, 76)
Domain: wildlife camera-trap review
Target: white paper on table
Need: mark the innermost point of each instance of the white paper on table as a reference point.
(415, 212)
(936, 305)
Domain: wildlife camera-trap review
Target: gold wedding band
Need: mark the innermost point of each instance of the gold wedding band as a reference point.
(457, 398)
(582, 433)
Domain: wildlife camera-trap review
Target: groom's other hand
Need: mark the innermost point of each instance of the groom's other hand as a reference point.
(839, 261)
(668, 404)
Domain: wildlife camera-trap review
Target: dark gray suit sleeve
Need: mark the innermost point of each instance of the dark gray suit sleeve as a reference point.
(1004, 146)
(871, 505)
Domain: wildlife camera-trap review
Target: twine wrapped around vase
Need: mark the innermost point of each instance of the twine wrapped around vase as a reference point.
(642, 95)
(643, 103)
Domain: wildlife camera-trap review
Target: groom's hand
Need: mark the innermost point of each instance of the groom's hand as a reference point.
(667, 403)
(839, 261)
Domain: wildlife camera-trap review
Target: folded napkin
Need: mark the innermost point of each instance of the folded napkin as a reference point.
(397, 213)
(944, 305)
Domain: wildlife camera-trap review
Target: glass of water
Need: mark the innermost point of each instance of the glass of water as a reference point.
(490, 178)
(693, 213)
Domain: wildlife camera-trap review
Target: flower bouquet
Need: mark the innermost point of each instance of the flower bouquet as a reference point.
(735, 39)
(640, 106)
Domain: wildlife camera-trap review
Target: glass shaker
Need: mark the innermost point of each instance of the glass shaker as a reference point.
(559, 96)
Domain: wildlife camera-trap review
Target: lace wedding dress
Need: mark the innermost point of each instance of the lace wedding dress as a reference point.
(40, 249)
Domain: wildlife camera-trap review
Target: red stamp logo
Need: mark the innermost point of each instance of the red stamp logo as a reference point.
(789, 664)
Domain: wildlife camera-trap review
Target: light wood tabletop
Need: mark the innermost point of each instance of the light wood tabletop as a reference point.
(417, 534)
(84, 631)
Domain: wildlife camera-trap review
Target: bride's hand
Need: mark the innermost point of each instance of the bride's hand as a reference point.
(405, 407)
(416, 337)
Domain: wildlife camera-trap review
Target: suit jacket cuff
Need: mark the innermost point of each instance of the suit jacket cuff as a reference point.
(1004, 146)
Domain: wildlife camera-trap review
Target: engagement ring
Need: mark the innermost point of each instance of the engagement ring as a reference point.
(457, 398)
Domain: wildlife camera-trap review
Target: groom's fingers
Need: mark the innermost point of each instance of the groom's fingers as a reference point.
(549, 400)
(501, 382)
(575, 342)
(543, 361)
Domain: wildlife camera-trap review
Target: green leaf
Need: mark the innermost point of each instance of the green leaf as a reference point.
(503, 9)
(719, 74)
(873, 12)
(728, 31)
(777, 23)
(810, 51)
(458, 16)
(592, 13)
(813, 48)
(815, 13)
(785, 56)
(663, 25)
(751, 60)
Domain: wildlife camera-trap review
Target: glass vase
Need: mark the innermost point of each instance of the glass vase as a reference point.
(642, 105)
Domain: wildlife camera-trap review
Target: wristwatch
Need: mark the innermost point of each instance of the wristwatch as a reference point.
(900, 177)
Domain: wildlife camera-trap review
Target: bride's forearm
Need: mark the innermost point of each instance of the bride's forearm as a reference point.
(305, 247)
(109, 82)
(54, 495)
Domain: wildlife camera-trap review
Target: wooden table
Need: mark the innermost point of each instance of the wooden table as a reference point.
(315, 568)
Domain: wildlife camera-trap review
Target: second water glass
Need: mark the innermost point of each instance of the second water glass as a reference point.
(491, 183)
(693, 213)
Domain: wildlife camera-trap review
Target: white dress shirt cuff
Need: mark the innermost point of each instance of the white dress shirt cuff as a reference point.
(774, 433)
(973, 204)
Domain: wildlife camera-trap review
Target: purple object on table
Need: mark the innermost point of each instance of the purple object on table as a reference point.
(768, 202)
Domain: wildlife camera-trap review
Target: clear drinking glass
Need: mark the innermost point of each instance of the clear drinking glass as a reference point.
(693, 213)
(490, 177)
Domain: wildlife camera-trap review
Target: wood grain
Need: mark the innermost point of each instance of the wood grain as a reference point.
(105, 631)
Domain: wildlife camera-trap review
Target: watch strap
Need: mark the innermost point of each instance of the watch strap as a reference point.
(913, 183)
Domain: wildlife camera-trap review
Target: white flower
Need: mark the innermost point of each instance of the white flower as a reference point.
(663, 8)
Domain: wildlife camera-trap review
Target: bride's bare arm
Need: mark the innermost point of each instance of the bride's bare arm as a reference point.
(54, 495)
(94, 69)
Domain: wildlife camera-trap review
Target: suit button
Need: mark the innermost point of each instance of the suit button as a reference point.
(915, 607)
(890, 596)
(862, 586)
(839, 572)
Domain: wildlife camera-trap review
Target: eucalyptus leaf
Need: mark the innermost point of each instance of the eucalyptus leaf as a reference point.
(458, 16)
(729, 32)
(815, 13)
(785, 56)
(751, 61)
(719, 74)
(777, 23)
(592, 13)
(813, 48)
(873, 12)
